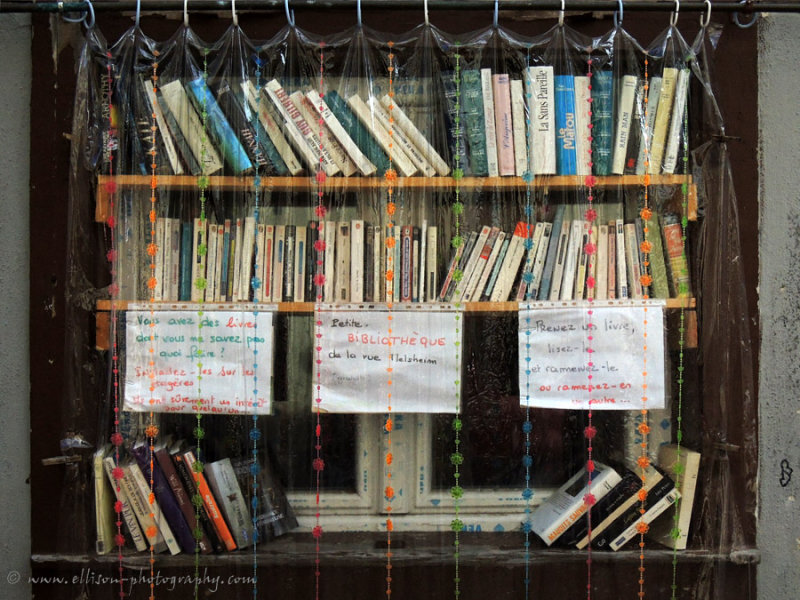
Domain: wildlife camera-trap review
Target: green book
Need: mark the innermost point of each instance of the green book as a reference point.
(474, 125)
(602, 122)
(363, 139)
(658, 266)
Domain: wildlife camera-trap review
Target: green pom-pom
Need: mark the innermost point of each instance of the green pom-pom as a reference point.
(458, 274)
(197, 500)
(202, 182)
(458, 174)
(456, 458)
(457, 424)
(200, 283)
(456, 241)
(197, 467)
(457, 492)
(456, 525)
(198, 533)
(458, 208)
(199, 433)
(675, 533)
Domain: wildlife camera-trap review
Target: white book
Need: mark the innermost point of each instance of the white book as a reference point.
(472, 263)
(357, 260)
(633, 530)
(423, 254)
(133, 471)
(669, 80)
(415, 256)
(364, 165)
(342, 291)
(267, 261)
(323, 133)
(329, 233)
(485, 252)
(401, 141)
(676, 126)
(530, 259)
(415, 136)
(541, 124)
(175, 264)
(571, 259)
(653, 94)
(378, 279)
(622, 269)
(538, 264)
(191, 127)
(488, 116)
(258, 260)
(518, 123)
(300, 250)
(200, 232)
(396, 261)
(601, 268)
(372, 121)
(270, 124)
(583, 120)
(236, 268)
(279, 255)
(632, 262)
(163, 129)
(389, 264)
(623, 122)
(561, 256)
(566, 505)
(246, 258)
(159, 258)
(296, 124)
(583, 264)
(510, 265)
(431, 270)
(212, 277)
(686, 482)
(222, 480)
(128, 516)
(591, 264)
(489, 267)
(219, 293)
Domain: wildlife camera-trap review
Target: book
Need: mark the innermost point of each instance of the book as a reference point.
(372, 121)
(504, 127)
(313, 262)
(105, 519)
(431, 269)
(300, 262)
(583, 263)
(683, 466)
(165, 500)
(637, 130)
(508, 271)
(406, 262)
(602, 121)
(451, 269)
(552, 249)
(612, 260)
(358, 132)
(659, 499)
(566, 505)
(329, 233)
(269, 123)
(369, 263)
(246, 127)
(473, 121)
(498, 262)
(518, 121)
(490, 129)
(182, 497)
(416, 138)
(166, 137)
(364, 165)
(128, 516)
(675, 137)
(289, 268)
(566, 150)
(601, 270)
(455, 120)
(653, 94)
(485, 262)
(277, 263)
(669, 80)
(419, 262)
(560, 260)
(571, 259)
(159, 258)
(632, 262)
(623, 291)
(274, 516)
(211, 263)
(593, 263)
(188, 123)
(320, 128)
(245, 258)
(199, 249)
(209, 501)
(342, 268)
(357, 240)
(541, 124)
(146, 508)
(623, 123)
(583, 125)
(402, 145)
(218, 127)
(478, 247)
(186, 263)
(531, 247)
(658, 266)
(222, 480)
(678, 269)
(267, 261)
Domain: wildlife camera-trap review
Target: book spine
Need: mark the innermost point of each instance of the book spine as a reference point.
(186, 263)
(372, 121)
(538, 265)
(669, 79)
(623, 123)
(486, 244)
(552, 251)
(489, 123)
(673, 146)
(431, 266)
(289, 249)
(653, 94)
(300, 257)
(358, 132)
(154, 527)
(323, 133)
(406, 260)
(342, 291)
(363, 163)
(583, 122)
(633, 530)
(451, 269)
(415, 136)
(583, 264)
(209, 502)
(571, 260)
(566, 150)
(612, 260)
(267, 264)
(199, 259)
(678, 268)
(103, 505)
(277, 263)
(415, 263)
(542, 125)
(163, 128)
(510, 267)
(601, 271)
(258, 262)
(187, 479)
(401, 141)
(272, 129)
(501, 90)
(518, 123)
(473, 121)
(238, 118)
(246, 258)
(486, 294)
(226, 490)
(638, 124)
(560, 260)
(602, 121)
(632, 262)
(128, 515)
(622, 268)
(330, 261)
(160, 258)
(211, 264)
(378, 277)
(369, 263)
(531, 247)
(456, 288)
(357, 260)
(422, 256)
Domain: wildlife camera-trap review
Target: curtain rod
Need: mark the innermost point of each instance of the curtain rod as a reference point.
(745, 6)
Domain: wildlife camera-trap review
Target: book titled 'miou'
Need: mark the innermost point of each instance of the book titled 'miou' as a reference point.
(566, 134)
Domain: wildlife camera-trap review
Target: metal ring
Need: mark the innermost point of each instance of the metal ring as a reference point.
(705, 23)
(745, 25)
(496, 11)
(673, 18)
(619, 15)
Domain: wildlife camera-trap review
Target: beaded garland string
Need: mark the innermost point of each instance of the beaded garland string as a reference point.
(646, 280)
(391, 207)
(456, 458)
(200, 284)
(109, 143)
(318, 463)
(675, 532)
(153, 252)
(590, 431)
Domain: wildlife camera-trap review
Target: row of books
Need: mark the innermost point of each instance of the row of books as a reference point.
(562, 518)
(548, 124)
(549, 260)
(224, 520)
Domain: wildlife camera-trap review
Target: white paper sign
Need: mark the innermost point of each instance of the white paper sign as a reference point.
(581, 357)
(357, 350)
(209, 363)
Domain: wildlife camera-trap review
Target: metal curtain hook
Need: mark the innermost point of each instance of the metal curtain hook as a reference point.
(84, 18)
(289, 14)
(233, 13)
(358, 12)
(496, 11)
(704, 23)
(186, 12)
(138, 12)
(673, 19)
(619, 15)
(754, 18)
(427, 22)
(561, 14)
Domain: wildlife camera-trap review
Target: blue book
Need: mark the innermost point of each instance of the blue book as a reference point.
(221, 131)
(363, 138)
(185, 281)
(552, 251)
(602, 121)
(566, 133)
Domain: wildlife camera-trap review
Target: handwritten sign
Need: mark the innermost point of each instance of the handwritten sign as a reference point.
(576, 360)
(360, 355)
(211, 362)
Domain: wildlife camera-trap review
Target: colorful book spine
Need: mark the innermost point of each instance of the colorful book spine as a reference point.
(673, 246)
(675, 137)
(269, 125)
(566, 134)
(358, 132)
(416, 137)
(583, 129)
(365, 166)
(602, 121)
(474, 121)
(504, 126)
(669, 80)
